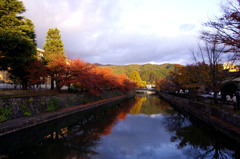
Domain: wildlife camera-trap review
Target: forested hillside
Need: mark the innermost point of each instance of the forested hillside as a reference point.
(148, 72)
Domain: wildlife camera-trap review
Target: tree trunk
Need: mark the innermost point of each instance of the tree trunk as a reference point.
(24, 84)
(52, 83)
(58, 86)
(215, 96)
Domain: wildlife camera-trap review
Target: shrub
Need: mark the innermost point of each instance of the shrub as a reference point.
(30, 100)
(42, 103)
(83, 101)
(5, 112)
(53, 105)
(26, 111)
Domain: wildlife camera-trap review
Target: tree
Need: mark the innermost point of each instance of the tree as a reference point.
(226, 28)
(83, 76)
(136, 78)
(208, 59)
(175, 76)
(37, 72)
(54, 44)
(17, 40)
(53, 48)
(164, 85)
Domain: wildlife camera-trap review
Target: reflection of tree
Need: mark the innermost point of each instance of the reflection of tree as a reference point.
(202, 145)
(151, 105)
(197, 142)
(175, 121)
(155, 105)
(137, 107)
(82, 138)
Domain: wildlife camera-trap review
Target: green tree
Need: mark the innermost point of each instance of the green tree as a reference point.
(136, 78)
(53, 49)
(148, 72)
(17, 40)
(54, 45)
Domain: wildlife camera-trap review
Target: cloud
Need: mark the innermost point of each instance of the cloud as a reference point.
(129, 140)
(118, 32)
(126, 49)
(187, 27)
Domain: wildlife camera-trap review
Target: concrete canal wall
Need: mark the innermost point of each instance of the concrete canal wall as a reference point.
(225, 121)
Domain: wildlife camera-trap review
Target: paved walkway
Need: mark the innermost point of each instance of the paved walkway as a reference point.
(226, 106)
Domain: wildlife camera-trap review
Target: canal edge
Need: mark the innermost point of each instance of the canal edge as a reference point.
(19, 124)
(218, 123)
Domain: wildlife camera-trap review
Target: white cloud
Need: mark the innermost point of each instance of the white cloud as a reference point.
(122, 31)
(136, 142)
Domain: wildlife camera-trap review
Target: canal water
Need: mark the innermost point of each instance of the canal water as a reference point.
(144, 127)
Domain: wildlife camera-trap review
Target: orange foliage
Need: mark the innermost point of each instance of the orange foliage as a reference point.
(185, 77)
(37, 72)
(163, 85)
(85, 76)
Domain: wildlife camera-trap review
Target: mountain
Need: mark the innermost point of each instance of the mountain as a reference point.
(148, 72)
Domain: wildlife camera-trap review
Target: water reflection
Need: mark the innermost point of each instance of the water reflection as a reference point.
(142, 128)
(156, 130)
(151, 104)
(76, 140)
(198, 140)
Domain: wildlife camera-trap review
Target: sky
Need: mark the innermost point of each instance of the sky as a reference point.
(124, 31)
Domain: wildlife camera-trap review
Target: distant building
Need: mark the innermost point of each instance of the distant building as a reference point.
(232, 84)
(40, 53)
(150, 86)
(230, 67)
(4, 77)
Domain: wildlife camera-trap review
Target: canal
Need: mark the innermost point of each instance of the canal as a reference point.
(144, 127)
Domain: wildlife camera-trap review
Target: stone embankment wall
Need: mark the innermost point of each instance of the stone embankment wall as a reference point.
(12, 108)
(19, 124)
(222, 120)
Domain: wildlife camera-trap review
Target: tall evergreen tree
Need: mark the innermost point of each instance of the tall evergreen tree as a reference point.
(54, 45)
(53, 49)
(17, 40)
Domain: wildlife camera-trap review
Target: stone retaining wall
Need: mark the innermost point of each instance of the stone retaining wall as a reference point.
(226, 122)
(27, 106)
(19, 124)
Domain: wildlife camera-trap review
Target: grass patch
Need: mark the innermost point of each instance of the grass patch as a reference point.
(53, 105)
(42, 103)
(83, 101)
(26, 111)
(30, 100)
(5, 112)
(37, 111)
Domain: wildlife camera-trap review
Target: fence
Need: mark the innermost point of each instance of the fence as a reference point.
(9, 86)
